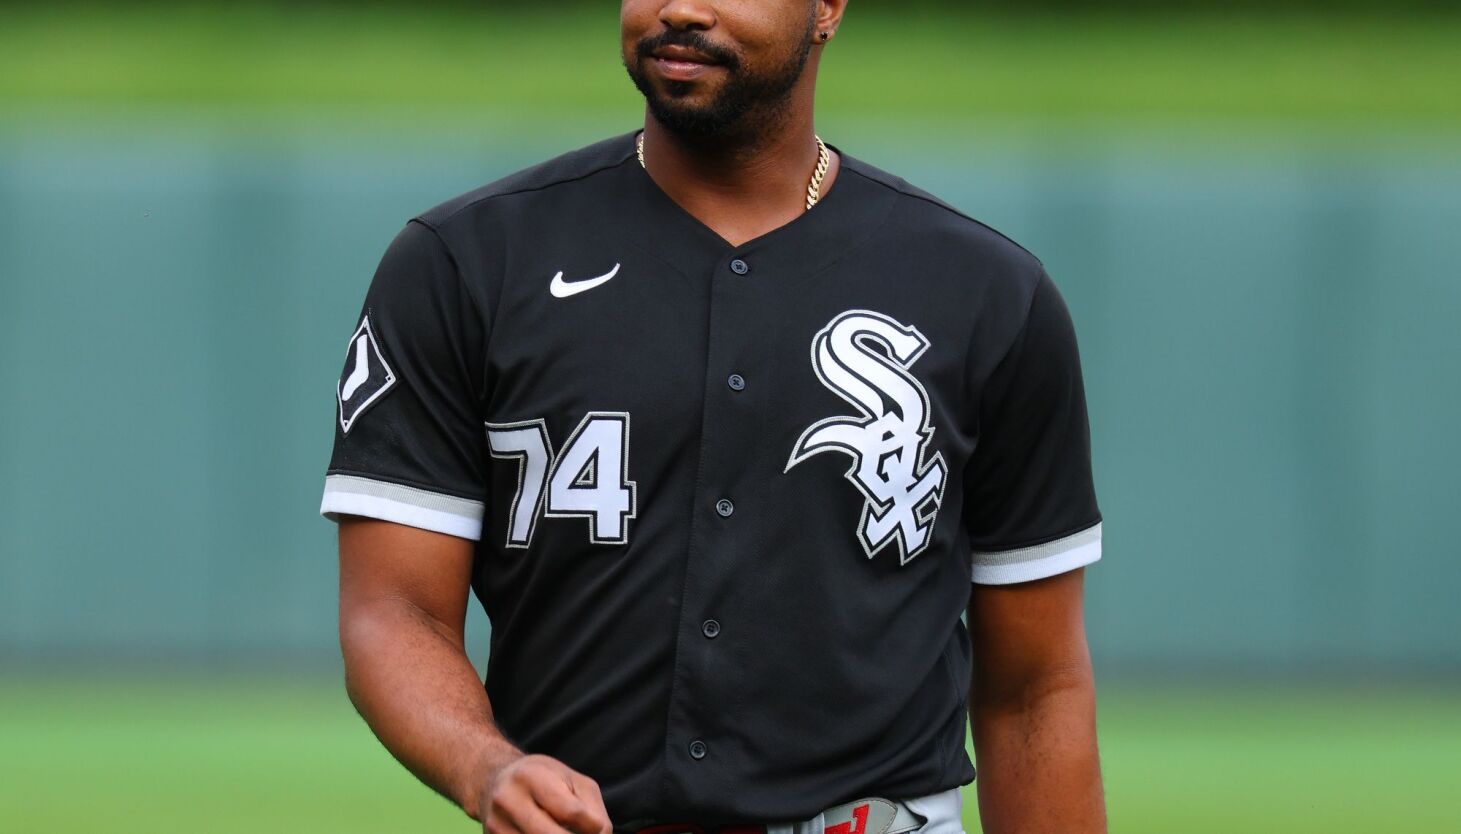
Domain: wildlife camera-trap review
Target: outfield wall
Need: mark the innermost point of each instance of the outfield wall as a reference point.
(1269, 338)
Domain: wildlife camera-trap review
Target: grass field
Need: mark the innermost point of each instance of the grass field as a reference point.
(420, 68)
(223, 757)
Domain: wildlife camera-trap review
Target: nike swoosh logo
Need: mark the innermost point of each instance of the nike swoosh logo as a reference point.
(362, 368)
(562, 289)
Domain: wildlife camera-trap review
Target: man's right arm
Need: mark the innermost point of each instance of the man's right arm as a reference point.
(403, 602)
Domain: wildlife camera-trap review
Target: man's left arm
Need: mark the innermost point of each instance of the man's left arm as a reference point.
(1032, 706)
(1034, 526)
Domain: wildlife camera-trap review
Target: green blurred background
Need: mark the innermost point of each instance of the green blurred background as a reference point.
(1252, 209)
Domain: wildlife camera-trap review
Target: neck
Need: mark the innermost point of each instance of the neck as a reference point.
(769, 165)
(739, 186)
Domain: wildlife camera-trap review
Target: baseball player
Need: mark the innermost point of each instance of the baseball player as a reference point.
(725, 429)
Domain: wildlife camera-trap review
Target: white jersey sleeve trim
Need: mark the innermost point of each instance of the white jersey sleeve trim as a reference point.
(353, 495)
(1026, 564)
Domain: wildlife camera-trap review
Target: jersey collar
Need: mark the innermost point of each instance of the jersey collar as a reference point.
(843, 221)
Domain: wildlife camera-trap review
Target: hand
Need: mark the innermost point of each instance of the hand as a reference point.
(541, 795)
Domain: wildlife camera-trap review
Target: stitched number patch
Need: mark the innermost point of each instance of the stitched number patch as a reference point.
(589, 478)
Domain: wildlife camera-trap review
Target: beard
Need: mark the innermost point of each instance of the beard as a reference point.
(748, 102)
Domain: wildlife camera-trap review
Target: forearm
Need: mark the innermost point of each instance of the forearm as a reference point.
(411, 681)
(1039, 769)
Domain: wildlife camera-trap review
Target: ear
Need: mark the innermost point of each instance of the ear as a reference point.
(829, 17)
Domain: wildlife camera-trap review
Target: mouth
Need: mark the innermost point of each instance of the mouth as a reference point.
(680, 63)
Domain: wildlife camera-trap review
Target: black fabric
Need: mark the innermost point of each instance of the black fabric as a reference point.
(426, 430)
(1030, 479)
(840, 667)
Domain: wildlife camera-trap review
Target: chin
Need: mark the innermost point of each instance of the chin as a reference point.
(696, 123)
(701, 92)
(687, 106)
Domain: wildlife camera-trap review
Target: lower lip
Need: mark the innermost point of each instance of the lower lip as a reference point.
(682, 70)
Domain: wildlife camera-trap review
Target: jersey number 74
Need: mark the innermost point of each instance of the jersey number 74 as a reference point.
(589, 478)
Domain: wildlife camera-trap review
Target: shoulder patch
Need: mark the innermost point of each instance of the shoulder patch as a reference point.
(367, 376)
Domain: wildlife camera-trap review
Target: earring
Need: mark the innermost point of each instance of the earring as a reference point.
(826, 36)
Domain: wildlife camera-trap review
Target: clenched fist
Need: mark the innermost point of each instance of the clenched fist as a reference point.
(541, 795)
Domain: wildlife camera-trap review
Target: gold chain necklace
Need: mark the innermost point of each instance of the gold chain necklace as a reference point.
(814, 188)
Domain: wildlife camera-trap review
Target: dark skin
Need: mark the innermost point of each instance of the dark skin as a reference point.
(1032, 706)
(403, 607)
(752, 181)
(404, 592)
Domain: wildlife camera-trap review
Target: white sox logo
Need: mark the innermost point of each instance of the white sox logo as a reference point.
(863, 357)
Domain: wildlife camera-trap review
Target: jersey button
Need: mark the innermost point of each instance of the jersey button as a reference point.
(698, 750)
(736, 382)
(725, 507)
(710, 629)
(740, 267)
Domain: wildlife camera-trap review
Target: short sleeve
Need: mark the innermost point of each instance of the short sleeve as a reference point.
(409, 438)
(1031, 502)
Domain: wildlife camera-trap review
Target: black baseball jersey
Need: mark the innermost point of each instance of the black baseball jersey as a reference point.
(727, 500)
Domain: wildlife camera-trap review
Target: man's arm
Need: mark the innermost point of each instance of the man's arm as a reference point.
(1032, 706)
(403, 603)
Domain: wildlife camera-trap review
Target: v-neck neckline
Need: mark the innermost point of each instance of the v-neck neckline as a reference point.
(846, 220)
(828, 201)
